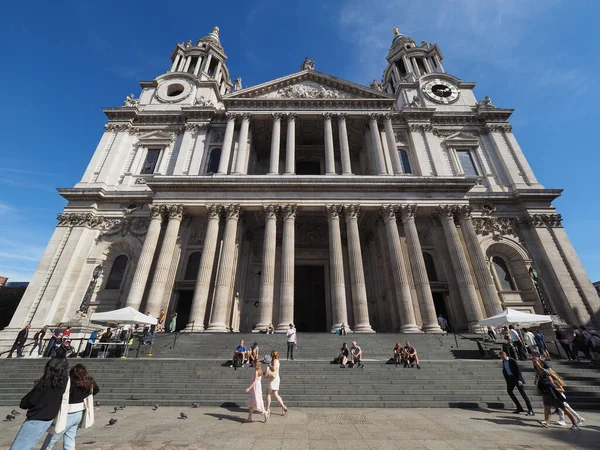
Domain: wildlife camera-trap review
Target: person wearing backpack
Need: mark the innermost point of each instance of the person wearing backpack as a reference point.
(38, 341)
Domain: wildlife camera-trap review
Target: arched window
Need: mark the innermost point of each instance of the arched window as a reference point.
(213, 161)
(193, 264)
(505, 280)
(430, 267)
(117, 272)
(404, 161)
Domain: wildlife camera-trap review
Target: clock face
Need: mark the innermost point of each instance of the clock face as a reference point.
(441, 91)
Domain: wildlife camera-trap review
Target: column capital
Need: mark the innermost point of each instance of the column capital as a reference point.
(388, 212)
(156, 211)
(276, 116)
(289, 211)
(408, 211)
(375, 116)
(390, 116)
(246, 116)
(342, 117)
(232, 211)
(333, 211)
(446, 211)
(327, 116)
(464, 211)
(270, 211)
(231, 116)
(174, 212)
(291, 116)
(351, 211)
(214, 211)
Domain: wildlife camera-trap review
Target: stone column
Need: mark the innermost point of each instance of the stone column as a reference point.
(461, 268)
(197, 67)
(329, 153)
(188, 60)
(290, 145)
(401, 286)
(336, 266)
(240, 163)
(140, 278)
(392, 146)
(224, 278)
(286, 293)
(419, 271)
(205, 270)
(267, 277)
(377, 148)
(357, 273)
(275, 144)
(487, 288)
(175, 62)
(344, 146)
(165, 259)
(227, 141)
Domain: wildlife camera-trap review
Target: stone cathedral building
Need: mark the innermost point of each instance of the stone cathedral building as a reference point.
(309, 199)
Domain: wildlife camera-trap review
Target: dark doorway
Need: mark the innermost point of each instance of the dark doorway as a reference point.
(309, 299)
(308, 168)
(184, 307)
(440, 305)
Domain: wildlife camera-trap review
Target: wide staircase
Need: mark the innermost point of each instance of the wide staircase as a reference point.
(193, 368)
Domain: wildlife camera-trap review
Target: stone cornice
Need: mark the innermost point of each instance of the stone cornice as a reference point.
(99, 193)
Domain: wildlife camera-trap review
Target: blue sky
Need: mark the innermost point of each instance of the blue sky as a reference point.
(64, 61)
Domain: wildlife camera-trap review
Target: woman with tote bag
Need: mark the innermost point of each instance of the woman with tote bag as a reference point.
(80, 409)
(43, 403)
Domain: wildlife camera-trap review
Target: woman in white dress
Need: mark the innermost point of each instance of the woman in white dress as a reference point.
(274, 385)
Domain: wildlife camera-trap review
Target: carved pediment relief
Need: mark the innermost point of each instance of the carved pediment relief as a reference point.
(157, 137)
(307, 90)
(461, 138)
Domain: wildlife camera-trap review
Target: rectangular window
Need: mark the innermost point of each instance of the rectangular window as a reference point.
(151, 160)
(404, 161)
(467, 163)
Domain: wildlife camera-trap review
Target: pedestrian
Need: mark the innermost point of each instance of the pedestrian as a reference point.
(56, 335)
(491, 331)
(530, 341)
(514, 378)
(551, 388)
(20, 342)
(443, 323)
(255, 400)
(173, 323)
(579, 343)
(595, 345)
(357, 354)
(82, 386)
(343, 331)
(38, 341)
(517, 342)
(42, 404)
(562, 338)
(292, 339)
(161, 320)
(273, 375)
(541, 343)
(90, 343)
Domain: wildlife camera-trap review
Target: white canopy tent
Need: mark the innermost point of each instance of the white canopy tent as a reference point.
(513, 317)
(123, 316)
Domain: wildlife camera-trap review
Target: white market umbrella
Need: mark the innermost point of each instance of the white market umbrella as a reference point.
(514, 317)
(127, 315)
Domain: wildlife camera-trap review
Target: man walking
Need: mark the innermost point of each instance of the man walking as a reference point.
(514, 378)
(38, 341)
(517, 343)
(292, 339)
(56, 335)
(20, 342)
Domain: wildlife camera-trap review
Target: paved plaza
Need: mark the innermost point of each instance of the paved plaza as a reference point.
(323, 428)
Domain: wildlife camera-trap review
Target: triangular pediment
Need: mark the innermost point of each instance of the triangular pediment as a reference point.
(462, 138)
(309, 85)
(156, 137)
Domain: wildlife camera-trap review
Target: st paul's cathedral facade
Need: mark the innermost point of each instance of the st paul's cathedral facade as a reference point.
(309, 199)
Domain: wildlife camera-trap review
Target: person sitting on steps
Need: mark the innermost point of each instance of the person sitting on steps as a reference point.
(253, 354)
(410, 356)
(343, 356)
(356, 355)
(398, 353)
(239, 355)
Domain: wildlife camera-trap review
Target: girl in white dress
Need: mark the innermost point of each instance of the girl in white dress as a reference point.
(274, 385)
(255, 401)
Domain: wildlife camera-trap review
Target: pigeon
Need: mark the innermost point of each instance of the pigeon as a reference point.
(97, 404)
(182, 415)
(112, 421)
(122, 406)
(14, 412)
(10, 418)
(116, 409)
(156, 405)
(195, 405)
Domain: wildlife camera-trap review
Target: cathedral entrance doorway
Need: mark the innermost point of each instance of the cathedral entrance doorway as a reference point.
(439, 301)
(310, 299)
(184, 307)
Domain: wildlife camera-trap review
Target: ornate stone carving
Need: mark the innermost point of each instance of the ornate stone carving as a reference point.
(214, 211)
(174, 211)
(311, 233)
(342, 117)
(276, 116)
(140, 181)
(447, 211)
(416, 102)
(388, 212)
(419, 126)
(492, 127)
(270, 211)
(232, 212)
(203, 101)
(291, 116)
(464, 211)
(131, 101)
(375, 116)
(137, 226)
(231, 115)
(197, 233)
(156, 211)
(217, 136)
(544, 220)
(194, 126)
(351, 211)
(376, 85)
(118, 126)
(307, 64)
(309, 90)
(327, 116)
(408, 210)
(289, 211)
(237, 84)
(486, 103)
(246, 116)
(333, 211)
(497, 227)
